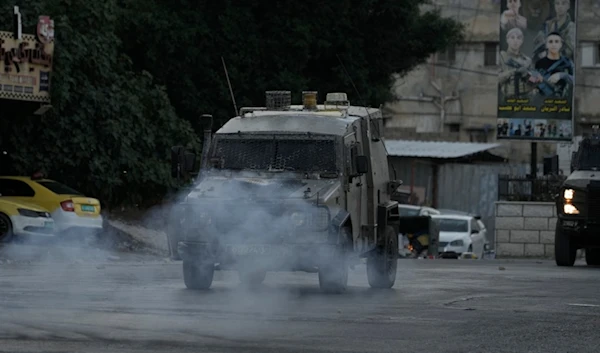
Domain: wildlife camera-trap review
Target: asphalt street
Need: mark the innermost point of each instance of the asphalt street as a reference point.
(91, 301)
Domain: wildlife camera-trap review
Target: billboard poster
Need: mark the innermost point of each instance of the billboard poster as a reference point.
(26, 63)
(536, 80)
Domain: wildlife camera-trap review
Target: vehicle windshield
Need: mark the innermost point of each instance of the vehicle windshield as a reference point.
(452, 225)
(59, 188)
(405, 211)
(305, 155)
(589, 158)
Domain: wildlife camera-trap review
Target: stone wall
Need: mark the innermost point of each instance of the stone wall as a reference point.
(525, 229)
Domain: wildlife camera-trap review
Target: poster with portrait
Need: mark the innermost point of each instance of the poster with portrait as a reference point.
(537, 71)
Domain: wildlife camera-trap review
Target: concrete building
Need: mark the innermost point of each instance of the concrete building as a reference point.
(453, 97)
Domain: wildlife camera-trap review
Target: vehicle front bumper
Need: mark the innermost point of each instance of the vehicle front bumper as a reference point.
(581, 227)
(267, 256)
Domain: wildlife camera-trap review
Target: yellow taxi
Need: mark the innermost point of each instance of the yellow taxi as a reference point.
(19, 219)
(72, 211)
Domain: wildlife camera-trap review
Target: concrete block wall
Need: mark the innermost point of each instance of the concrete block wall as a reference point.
(525, 229)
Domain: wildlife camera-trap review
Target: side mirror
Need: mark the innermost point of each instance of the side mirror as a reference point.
(393, 186)
(362, 164)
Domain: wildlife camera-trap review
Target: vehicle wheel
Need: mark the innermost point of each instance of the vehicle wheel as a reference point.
(198, 276)
(6, 231)
(252, 278)
(333, 277)
(592, 256)
(565, 252)
(383, 264)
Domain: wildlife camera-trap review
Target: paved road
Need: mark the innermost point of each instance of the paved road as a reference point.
(93, 303)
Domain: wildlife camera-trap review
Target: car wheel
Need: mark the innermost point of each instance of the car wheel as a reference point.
(333, 276)
(383, 264)
(565, 251)
(197, 275)
(6, 230)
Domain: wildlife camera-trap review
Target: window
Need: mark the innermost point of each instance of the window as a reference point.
(15, 188)
(448, 56)
(454, 127)
(490, 55)
(408, 212)
(478, 136)
(58, 188)
(474, 225)
(452, 225)
(590, 54)
(316, 154)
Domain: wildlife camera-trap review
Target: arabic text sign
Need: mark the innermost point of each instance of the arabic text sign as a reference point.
(537, 73)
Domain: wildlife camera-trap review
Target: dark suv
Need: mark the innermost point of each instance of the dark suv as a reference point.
(578, 207)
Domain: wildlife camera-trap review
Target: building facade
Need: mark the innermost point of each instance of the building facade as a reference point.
(453, 96)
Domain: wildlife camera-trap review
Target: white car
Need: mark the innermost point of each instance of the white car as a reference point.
(460, 234)
(412, 210)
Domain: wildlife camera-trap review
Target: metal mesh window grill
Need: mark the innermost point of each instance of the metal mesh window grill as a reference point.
(279, 154)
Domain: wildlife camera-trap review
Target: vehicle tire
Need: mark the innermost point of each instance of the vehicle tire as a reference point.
(565, 251)
(592, 256)
(252, 278)
(6, 229)
(383, 264)
(197, 275)
(333, 276)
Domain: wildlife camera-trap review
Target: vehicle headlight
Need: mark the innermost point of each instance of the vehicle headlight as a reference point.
(570, 209)
(28, 213)
(568, 194)
(457, 243)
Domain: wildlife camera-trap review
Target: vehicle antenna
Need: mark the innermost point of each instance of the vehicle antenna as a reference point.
(230, 89)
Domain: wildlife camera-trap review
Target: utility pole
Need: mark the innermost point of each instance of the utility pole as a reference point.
(441, 104)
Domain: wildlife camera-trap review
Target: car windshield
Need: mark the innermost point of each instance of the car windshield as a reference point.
(306, 154)
(405, 211)
(452, 225)
(59, 188)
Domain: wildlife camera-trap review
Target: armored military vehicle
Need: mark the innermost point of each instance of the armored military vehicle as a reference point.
(292, 188)
(578, 206)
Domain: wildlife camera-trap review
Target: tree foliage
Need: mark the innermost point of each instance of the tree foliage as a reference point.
(131, 78)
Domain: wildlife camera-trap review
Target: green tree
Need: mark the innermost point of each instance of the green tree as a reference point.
(111, 128)
(131, 78)
(280, 45)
